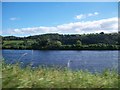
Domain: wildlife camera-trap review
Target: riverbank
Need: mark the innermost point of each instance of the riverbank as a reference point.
(56, 41)
(42, 77)
(62, 49)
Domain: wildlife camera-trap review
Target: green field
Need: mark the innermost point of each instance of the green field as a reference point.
(42, 77)
(17, 44)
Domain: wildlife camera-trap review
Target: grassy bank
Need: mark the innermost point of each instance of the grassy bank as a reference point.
(15, 77)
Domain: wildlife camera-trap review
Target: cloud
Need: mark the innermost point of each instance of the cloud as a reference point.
(14, 18)
(105, 25)
(82, 16)
(93, 14)
(96, 13)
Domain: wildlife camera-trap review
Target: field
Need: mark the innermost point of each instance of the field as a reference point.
(17, 44)
(43, 77)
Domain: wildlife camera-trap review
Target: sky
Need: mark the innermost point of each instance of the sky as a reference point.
(34, 18)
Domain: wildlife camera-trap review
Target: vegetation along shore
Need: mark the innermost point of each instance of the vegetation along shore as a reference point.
(98, 41)
(42, 77)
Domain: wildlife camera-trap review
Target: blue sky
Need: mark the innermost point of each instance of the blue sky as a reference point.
(25, 18)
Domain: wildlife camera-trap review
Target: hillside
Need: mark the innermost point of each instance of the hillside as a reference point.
(99, 41)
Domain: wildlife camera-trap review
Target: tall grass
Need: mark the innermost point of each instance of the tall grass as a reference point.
(16, 77)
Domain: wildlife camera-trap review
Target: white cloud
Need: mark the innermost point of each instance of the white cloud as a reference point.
(90, 14)
(14, 18)
(82, 16)
(96, 13)
(105, 25)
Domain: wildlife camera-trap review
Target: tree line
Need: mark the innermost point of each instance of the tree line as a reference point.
(98, 41)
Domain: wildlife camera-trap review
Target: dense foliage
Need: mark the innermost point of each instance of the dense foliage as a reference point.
(66, 42)
(13, 76)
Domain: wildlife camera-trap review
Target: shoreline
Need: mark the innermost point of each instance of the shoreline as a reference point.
(65, 49)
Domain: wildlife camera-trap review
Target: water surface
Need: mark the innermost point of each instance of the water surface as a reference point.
(82, 60)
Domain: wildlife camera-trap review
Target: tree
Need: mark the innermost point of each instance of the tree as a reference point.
(101, 32)
(79, 43)
(58, 43)
(54, 44)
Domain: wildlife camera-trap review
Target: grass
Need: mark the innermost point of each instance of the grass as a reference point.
(13, 42)
(18, 42)
(43, 77)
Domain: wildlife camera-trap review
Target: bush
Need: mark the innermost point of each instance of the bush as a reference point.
(43, 77)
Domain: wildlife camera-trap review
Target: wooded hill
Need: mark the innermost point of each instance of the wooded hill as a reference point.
(55, 41)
